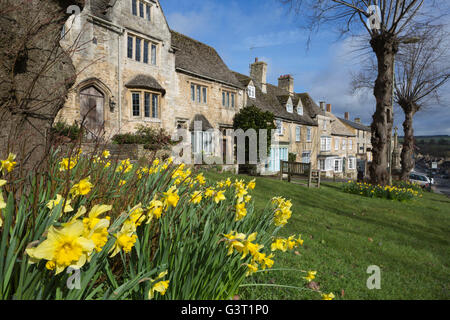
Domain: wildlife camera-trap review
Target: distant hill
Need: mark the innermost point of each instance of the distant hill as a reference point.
(436, 146)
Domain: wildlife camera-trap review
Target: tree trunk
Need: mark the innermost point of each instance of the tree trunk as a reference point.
(385, 48)
(35, 76)
(407, 160)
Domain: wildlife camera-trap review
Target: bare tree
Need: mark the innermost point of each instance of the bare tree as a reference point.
(422, 69)
(35, 76)
(388, 23)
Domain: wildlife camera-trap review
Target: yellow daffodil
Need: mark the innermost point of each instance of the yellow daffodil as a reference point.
(125, 166)
(241, 211)
(219, 196)
(155, 210)
(329, 296)
(159, 286)
(279, 244)
(2, 206)
(59, 199)
(311, 276)
(196, 198)
(251, 268)
(171, 197)
(106, 154)
(67, 164)
(9, 163)
(64, 247)
(82, 188)
(125, 240)
(201, 179)
(122, 183)
(96, 229)
(251, 185)
(209, 192)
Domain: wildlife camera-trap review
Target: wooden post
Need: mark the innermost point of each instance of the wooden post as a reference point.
(289, 172)
(318, 179)
(310, 177)
(281, 170)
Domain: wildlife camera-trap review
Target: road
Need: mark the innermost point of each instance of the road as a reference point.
(441, 186)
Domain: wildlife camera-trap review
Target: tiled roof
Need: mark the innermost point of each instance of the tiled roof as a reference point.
(337, 127)
(142, 81)
(356, 125)
(200, 59)
(275, 101)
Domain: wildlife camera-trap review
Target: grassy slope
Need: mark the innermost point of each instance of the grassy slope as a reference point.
(408, 241)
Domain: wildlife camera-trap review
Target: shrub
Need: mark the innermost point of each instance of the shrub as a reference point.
(400, 192)
(135, 232)
(152, 139)
(61, 128)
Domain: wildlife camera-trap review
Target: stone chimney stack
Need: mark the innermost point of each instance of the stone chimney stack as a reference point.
(329, 108)
(347, 116)
(322, 105)
(258, 72)
(358, 120)
(286, 82)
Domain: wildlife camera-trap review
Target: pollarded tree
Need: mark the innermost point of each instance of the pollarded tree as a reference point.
(388, 23)
(422, 68)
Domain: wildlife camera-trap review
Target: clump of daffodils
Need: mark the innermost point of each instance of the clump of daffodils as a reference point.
(245, 245)
(282, 211)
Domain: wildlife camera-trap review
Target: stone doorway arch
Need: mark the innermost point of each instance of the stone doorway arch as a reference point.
(92, 110)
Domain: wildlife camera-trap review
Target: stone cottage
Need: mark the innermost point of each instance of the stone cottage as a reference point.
(295, 116)
(134, 70)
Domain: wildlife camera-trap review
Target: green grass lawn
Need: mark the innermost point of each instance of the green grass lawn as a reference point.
(345, 234)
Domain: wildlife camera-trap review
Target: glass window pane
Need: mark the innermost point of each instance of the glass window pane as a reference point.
(146, 51)
(192, 92)
(136, 104)
(223, 99)
(232, 100)
(153, 54)
(149, 16)
(141, 9)
(198, 94)
(228, 99)
(138, 49)
(205, 94)
(147, 105)
(130, 47)
(134, 7)
(155, 106)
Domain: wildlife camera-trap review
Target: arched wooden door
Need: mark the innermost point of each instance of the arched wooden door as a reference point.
(92, 111)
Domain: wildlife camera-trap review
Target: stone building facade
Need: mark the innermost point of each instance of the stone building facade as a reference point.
(363, 142)
(295, 116)
(134, 70)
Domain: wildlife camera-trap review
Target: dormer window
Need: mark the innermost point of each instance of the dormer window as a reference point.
(251, 92)
(300, 108)
(289, 107)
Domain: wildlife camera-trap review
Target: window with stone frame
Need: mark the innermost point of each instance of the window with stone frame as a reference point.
(308, 134)
(199, 93)
(228, 99)
(141, 9)
(145, 104)
(298, 133)
(142, 50)
(251, 92)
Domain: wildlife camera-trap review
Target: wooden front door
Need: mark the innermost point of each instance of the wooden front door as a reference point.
(92, 105)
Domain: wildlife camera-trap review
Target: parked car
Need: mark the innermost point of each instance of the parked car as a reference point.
(420, 179)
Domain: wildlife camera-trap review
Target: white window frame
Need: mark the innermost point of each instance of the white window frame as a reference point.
(350, 144)
(340, 162)
(300, 108)
(325, 144)
(279, 124)
(306, 155)
(298, 133)
(325, 124)
(289, 107)
(251, 92)
(352, 163)
(344, 144)
(308, 134)
(337, 141)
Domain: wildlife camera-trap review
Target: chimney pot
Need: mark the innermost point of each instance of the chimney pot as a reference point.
(329, 108)
(322, 105)
(256, 59)
(347, 116)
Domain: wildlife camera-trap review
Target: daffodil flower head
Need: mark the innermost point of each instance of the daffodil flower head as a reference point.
(8, 164)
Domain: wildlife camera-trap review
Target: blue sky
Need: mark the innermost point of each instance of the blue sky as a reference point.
(241, 30)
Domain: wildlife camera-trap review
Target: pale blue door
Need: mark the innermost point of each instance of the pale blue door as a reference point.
(277, 154)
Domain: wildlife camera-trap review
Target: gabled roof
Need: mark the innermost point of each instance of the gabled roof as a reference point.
(142, 81)
(201, 60)
(275, 101)
(356, 125)
(337, 127)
